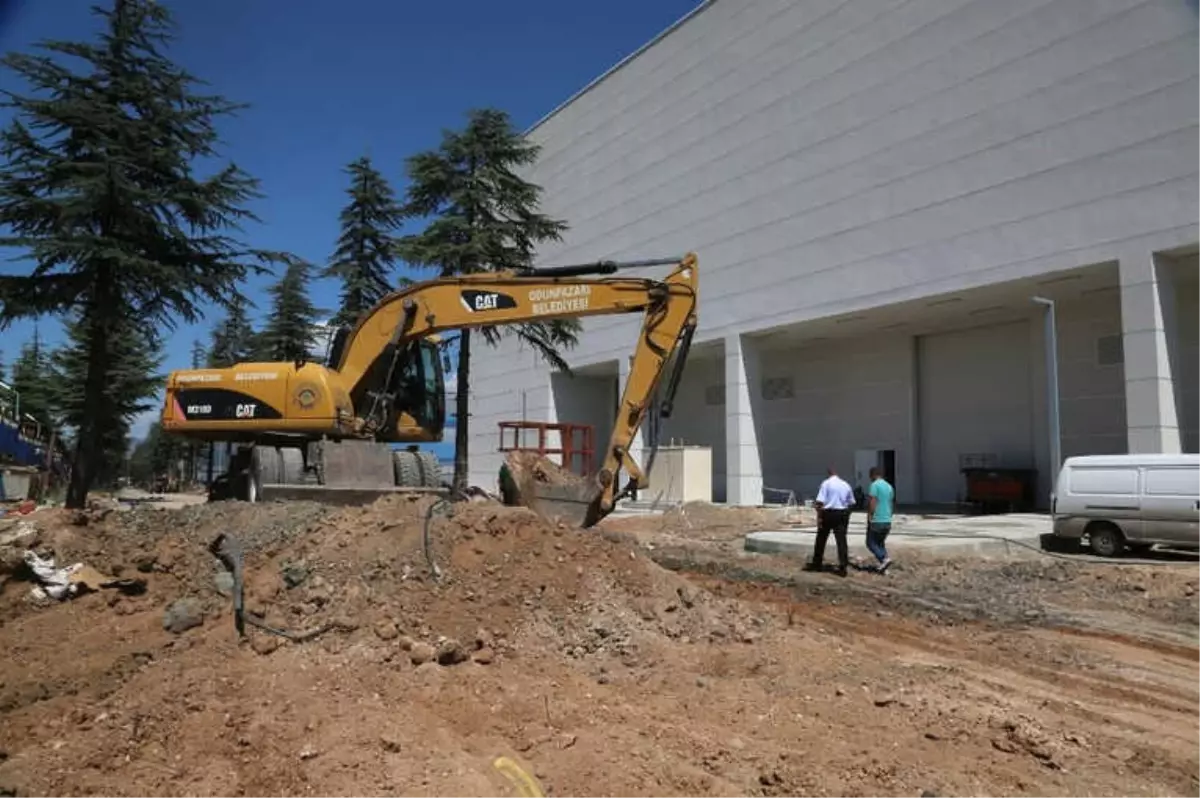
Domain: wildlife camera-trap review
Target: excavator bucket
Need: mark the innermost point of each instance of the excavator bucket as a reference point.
(530, 480)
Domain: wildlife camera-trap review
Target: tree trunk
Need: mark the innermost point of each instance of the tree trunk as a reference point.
(95, 392)
(461, 408)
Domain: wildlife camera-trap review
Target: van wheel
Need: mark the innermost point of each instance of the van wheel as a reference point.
(1106, 539)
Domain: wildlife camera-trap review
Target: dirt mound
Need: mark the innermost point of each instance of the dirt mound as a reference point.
(513, 591)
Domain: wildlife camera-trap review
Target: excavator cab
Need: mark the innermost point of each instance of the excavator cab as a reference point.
(420, 389)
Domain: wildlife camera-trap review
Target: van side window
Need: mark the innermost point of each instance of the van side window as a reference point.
(1104, 481)
(1165, 481)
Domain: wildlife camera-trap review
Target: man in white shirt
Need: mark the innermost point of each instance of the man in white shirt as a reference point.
(834, 501)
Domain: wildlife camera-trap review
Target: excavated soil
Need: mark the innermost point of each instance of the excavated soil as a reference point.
(582, 658)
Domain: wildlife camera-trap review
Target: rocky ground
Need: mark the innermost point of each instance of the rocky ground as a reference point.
(648, 656)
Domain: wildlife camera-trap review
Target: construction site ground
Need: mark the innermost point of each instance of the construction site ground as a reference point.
(650, 655)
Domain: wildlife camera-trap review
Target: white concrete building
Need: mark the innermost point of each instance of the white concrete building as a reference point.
(876, 189)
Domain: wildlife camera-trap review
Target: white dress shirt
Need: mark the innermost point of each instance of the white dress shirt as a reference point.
(836, 494)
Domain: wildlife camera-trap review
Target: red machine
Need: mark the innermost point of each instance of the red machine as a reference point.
(577, 447)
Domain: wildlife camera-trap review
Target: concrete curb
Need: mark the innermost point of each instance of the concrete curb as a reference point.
(798, 544)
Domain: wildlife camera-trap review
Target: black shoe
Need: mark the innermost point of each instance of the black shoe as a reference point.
(841, 571)
(813, 566)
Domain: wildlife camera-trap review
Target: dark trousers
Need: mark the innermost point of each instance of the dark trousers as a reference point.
(834, 521)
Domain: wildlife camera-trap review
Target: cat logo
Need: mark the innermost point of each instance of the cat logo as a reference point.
(484, 301)
(245, 411)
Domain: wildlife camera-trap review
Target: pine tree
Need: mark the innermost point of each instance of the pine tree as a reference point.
(31, 380)
(366, 250)
(134, 358)
(486, 219)
(98, 188)
(233, 339)
(199, 354)
(155, 454)
(290, 331)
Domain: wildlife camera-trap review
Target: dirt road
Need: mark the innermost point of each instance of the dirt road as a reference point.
(588, 662)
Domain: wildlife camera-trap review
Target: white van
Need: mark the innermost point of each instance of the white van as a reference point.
(1128, 501)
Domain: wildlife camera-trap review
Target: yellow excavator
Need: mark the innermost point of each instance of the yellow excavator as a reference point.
(326, 431)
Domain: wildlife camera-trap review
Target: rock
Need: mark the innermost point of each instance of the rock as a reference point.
(390, 743)
(484, 656)
(1190, 590)
(884, 700)
(483, 639)
(451, 652)
(24, 535)
(386, 630)
(294, 574)
(1004, 744)
(264, 644)
(13, 544)
(405, 642)
(308, 753)
(420, 653)
(701, 682)
(929, 794)
(184, 614)
(224, 582)
(839, 692)
(1122, 754)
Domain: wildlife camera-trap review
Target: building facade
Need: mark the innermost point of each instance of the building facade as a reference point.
(876, 191)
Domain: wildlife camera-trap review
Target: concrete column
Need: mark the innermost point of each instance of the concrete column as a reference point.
(636, 447)
(743, 465)
(1147, 304)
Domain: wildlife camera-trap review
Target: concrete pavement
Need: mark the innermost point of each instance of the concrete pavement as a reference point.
(1001, 535)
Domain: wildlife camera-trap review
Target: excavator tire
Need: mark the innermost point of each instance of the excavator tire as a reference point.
(407, 469)
(270, 464)
(291, 463)
(431, 469)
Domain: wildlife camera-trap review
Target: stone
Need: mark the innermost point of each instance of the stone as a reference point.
(420, 653)
(183, 614)
(386, 630)
(294, 574)
(451, 652)
(264, 644)
(484, 656)
(405, 642)
(224, 582)
(390, 743)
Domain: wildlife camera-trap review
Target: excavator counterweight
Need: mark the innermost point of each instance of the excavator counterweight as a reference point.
(327, 431)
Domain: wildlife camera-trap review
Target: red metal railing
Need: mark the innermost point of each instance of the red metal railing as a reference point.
(577, 453)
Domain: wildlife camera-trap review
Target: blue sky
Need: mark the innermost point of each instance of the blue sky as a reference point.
(330, 81)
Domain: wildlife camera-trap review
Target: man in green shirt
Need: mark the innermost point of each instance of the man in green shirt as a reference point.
(881, 499)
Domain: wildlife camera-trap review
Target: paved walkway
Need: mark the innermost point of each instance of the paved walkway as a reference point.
(983, 535)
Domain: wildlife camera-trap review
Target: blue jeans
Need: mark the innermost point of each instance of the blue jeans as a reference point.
(876, 534)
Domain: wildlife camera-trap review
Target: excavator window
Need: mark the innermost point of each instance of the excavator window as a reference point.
(420, 387)
(434, 395)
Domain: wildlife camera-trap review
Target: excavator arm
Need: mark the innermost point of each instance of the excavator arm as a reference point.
(668, 306)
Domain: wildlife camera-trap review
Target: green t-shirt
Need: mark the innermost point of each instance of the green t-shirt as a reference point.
(884, 501)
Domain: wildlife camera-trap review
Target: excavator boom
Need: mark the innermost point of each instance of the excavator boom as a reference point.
(383, 381)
